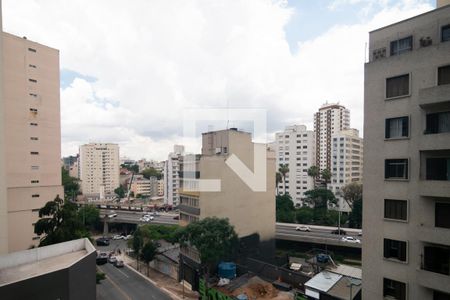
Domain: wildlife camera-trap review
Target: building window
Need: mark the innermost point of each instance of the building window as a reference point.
(33, 110)
(438, 122)
(33, 95)
(34, 153)
(394, 249)
(32, 66)
(395, 209)
(401, 46)
(35, 196)
(444, 75)
(442, 213)
(397, 128)
(445, 33)
(34, 138)
(32, 80)
(33, 124)
(34, 181)
(34, 168)
(32, 50)
(438, 168)
(397, 86)
(394, 289)
(396, 168)
(440, 296)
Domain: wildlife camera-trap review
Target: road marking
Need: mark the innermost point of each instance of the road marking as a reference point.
(115, 285)
(123, 273)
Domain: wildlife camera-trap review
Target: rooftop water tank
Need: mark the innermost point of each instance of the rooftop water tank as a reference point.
(227, 270)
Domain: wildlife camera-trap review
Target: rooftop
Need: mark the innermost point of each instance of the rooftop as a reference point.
(26, 264)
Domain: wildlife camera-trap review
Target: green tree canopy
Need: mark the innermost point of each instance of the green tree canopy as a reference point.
(120, 192)
(214, 239)
(148, 252)
(70, 184)
(151, 172)
(283, 170)
(355, 218)
(313, 172)
(133, 168)
(89, 215)
(326, 175)
(305, 215)
(60, 222)
(320, 197)
(285, 211)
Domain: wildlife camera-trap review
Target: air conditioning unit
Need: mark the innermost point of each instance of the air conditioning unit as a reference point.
(425, 41)
(218, 150)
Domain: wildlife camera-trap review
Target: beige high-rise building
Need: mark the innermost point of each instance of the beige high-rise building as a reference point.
(329, 120)
(406, 211)
(346, 163)
(99, 170)
(32, 136)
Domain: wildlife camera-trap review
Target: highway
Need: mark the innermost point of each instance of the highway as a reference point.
(284, 231)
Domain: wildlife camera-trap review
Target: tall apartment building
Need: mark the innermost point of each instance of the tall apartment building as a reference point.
(172, 176)
(296, 147)
(99, 169)
(251, 213)
(406, 249)
(31, 137)
(329, 120)
(346, 162)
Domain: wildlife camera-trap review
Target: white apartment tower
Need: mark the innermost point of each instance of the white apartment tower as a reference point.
(99, 169)
(31, 168)
(296, 147)
(346, 162)
(406, 211)
(329, 120)
(172, 176)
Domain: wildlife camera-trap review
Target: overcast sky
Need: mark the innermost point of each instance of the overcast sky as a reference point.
(130, 68)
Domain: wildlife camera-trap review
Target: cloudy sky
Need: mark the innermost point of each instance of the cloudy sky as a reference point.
(129, 69)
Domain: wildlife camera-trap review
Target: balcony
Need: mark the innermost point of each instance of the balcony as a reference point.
(433, 280)
(434, 188)
(434, 96)
(435, 235)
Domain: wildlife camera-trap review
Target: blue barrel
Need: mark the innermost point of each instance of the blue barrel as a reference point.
(227, 270)
(242, 297)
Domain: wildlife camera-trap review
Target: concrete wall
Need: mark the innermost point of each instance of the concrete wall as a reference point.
(27, 174)
(421, 63)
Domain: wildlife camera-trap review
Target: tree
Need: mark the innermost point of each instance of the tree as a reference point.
(136, 244)
(326, 176)
(151, 172)
(89, 215)
(355, 218)
(70, 184)
(284, 169)
(285, 211)
(133, 168)
(149, 252)
(59, 222)
(120, 192)
(352, 192)
(305, 215)
(214, 239)
(313, 171)
(320, 197)
(278, 179)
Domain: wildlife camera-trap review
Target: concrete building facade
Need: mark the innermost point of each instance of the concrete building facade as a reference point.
(99, 169)
(296, 147)
(172, 176)
(144, 187)
(32, 135)
(329, 120)
(406, 250)
(346, 162)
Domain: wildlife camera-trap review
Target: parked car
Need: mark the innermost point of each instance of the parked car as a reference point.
(112, 259)
(119, 264)
(118, 237)
(350, 239)
(102, 241)
(128, 237)
(303, 228)
(341, 232)
(360, 233)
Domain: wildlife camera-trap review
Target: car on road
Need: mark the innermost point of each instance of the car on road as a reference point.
(341, 232)
(147, 218)
(112, 214)
(128, 237)
(119, 264)
(102, 258)
(350, 239)
(303, 228)
(118, 237)
(112, 259)
(102, 241)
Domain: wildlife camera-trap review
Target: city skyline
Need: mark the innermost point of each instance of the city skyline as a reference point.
(195, 57)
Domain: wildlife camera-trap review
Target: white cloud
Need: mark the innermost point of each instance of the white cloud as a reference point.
(154, 58)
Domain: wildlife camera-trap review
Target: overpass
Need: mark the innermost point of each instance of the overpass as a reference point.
(283, 231)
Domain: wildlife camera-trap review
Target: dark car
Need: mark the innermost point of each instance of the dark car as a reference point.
(102, 242)
(119, 264)
(342, 232)
(102, 258)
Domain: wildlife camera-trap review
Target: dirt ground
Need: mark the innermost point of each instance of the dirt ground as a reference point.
(256, 288)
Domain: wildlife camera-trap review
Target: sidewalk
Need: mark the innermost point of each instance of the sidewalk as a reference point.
(164, 282)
